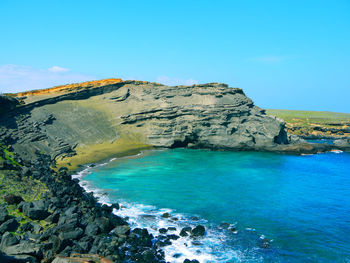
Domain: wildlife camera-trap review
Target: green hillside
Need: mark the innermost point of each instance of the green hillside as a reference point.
(314, 123)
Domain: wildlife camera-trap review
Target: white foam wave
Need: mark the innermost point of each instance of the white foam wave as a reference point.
(336, 151)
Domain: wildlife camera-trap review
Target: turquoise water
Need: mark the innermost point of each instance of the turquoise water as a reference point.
(301, 203)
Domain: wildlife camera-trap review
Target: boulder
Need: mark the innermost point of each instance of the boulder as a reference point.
(71, 235)
(35, 210)
(185, 231)
(166, 215)
(163, 230)
(122, 230)
(198, 231)
(18, 259)
(190, 261)
(9, 226)
(8, 240)
(4, 215)
(173, 237)
(92, 229)
(24, 248)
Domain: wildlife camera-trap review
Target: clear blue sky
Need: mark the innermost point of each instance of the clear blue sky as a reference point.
(284, 54)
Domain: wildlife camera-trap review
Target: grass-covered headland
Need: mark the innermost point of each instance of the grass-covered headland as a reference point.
(315, 124)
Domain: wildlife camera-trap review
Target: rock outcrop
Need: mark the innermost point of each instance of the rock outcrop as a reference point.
(7, 104)
(212, 116)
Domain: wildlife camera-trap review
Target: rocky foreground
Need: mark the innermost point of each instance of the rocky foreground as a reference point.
(65, 224)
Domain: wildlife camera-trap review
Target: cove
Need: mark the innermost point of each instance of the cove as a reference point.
(301, 203)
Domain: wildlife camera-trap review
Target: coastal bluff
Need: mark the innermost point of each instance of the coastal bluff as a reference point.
(80, 123)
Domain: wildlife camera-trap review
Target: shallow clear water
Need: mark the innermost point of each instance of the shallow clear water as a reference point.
(302, 203)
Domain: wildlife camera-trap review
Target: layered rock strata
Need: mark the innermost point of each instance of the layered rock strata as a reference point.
(211, 116)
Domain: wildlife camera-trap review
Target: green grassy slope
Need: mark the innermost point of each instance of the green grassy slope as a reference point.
(314, 123)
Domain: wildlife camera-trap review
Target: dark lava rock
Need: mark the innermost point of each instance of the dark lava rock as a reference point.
(24, 247)
(198, 231)
(122, 230)
(196, 243)
(177, 255)
(190, 261)
(27, 227)
(173, 237)
(54, 217)
(264, 243)
(35, 210)
(104, 224)
(17, 259)
(171, 228)
(232, 229)
(185, 231)
(7, 103)
(91, 229)
(166, 215)
(8, 240)
(12, 199)
(147, 256)
(4, 215)
(10, 226)
(71, 235)
(115, 206)
(163, 230)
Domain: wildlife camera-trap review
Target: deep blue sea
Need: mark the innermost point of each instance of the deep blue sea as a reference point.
(301, 204)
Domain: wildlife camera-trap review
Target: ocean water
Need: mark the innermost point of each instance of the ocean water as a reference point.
(284, 208)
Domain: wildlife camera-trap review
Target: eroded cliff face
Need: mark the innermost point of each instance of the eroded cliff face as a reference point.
(137, 113)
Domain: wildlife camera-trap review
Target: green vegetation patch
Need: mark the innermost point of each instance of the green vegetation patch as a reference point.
(28, 188)
(5, 154)
(321, 117)
(315, 123)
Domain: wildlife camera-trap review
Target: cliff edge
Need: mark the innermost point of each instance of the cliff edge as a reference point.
(85, 122)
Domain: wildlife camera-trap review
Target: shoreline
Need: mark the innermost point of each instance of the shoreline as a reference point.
(152, 218)
(66, 222)
(78, 161)
(82, 158)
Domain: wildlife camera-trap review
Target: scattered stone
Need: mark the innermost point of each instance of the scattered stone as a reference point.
(264, 243)
(190, 261)
(163, 230)
(185, 231)
(173, 237)
(177, 255)
(198, 231)
(166, 215)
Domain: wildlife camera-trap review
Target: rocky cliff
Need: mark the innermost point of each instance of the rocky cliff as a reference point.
(105, 117)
